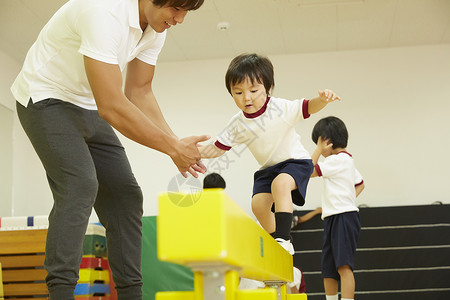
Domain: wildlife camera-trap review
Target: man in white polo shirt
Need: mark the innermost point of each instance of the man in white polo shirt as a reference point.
(69, 93)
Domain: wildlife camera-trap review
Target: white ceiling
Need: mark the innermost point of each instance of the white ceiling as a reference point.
(268, 27)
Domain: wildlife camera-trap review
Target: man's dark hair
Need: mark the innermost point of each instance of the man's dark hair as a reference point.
(213, 180)
(183, 4)
(331, 128)
(255, 67)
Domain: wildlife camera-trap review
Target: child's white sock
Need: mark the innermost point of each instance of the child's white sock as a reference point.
(332, 297)
(346, 299)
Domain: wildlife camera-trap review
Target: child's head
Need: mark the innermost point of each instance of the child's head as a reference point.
(214, 180)
(254, 67)
(333, 129)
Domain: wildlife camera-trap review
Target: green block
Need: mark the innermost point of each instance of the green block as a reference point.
(94, 245)
(158, 275)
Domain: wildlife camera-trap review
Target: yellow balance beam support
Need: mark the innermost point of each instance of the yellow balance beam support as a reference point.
(208, 230)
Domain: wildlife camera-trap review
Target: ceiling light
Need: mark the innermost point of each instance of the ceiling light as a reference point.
(223, 26)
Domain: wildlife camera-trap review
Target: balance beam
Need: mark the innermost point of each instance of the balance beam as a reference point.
(212, 235)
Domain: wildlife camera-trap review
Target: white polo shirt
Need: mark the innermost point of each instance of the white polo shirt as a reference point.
(340, 178)
(105, 30)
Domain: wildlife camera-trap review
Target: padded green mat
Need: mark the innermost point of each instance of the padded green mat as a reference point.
(158, 275)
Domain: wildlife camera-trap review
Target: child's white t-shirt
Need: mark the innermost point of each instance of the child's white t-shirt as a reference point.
(340, 178)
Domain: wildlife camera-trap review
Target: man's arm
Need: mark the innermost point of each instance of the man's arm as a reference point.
(114, 107)
(138, 89)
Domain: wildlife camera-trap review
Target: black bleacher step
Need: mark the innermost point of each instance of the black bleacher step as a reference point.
(314, 283)
(308, 262)
(395, 280)
(397, 237)
(307, 240)
(386, 259)
(403, 295)
(382, 237)
(405, 215)
(403, 280)
(391, 216)
(407, 258)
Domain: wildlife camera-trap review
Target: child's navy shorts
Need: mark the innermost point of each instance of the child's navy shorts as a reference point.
(299, 169)
(340, 235)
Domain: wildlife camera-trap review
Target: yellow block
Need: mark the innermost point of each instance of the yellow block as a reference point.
(208, 228)
(297, 297)
(259, 294)
(198, 285)
(174, 296)
(92, 275)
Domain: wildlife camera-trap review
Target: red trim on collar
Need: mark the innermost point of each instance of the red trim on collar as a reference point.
(222, 146)
(345, 153)
(259, 112)
(362, 181)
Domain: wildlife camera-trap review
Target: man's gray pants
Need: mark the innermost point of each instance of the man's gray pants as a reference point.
(86, 167)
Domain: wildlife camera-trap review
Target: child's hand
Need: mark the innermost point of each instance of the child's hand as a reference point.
(328, 96)
(324, 145)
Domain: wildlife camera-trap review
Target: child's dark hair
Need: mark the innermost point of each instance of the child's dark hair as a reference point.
(255, 67)
(183, 4)
(213, 180)
(331, 128)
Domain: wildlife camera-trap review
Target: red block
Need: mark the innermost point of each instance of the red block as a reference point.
(91, 262)
(113, 293)
(93, 298)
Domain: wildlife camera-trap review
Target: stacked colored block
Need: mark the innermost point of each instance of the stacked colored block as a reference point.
(22, 248)
(94, 281)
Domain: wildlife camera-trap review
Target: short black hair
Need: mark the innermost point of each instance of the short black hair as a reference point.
(331, 128)
(255, 67)
(213, 180)
(183, 4)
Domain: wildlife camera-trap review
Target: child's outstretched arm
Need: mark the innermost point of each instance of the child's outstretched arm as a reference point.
(322, 145)
(210, 151)
(310, 215)
(359, 188)
(326, 96)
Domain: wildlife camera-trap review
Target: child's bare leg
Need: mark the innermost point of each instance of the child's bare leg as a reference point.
(347, 282)
(261, 205)
(282, 186)
(331, 286)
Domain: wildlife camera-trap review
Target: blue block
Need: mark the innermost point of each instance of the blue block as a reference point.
(86, 289)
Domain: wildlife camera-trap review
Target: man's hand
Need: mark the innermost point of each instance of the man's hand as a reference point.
(187, 156)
